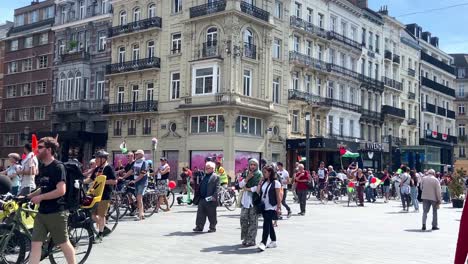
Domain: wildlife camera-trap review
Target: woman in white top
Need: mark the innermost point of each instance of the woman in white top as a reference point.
(269, 190)
(13, 158)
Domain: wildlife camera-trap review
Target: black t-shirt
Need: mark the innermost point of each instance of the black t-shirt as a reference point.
(129, 166)
(110, 175)
(49, 177)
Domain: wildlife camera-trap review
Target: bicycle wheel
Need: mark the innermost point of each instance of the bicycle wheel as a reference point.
(81, 238)
(170, 198)
(230, 201)
(113, 215)
(16, 248)
(150, 203)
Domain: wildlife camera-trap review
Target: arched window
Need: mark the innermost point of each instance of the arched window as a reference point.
(77, 86)
(136, 52)
(62, 93)
(212, 36)
(70, 87)
(248, 37)
(123, 18)
(150, 49)
(136, 14)
(151, 10)
(121, 57)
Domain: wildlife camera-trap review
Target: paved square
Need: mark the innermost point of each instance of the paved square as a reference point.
(332, 233)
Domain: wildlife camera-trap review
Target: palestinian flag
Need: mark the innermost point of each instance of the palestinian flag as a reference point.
(300, 159)
(344, 153)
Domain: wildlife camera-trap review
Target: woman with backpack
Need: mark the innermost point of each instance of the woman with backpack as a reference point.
(269, 190)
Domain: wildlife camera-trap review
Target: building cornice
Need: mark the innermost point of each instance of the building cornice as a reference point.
(83, 21)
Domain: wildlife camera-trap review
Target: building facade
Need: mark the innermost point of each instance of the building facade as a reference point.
(80, 59)
(4, 28)
(204, 84)
(27, 81)
(460, 62)
(437, 120)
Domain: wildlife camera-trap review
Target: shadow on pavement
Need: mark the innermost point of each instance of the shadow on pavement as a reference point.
(229, 216)
(184, 234)
(185, 212)
(398, 213)
(231, 250)
(418, 231)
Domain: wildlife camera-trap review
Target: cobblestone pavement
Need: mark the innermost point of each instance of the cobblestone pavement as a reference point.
(331, 233)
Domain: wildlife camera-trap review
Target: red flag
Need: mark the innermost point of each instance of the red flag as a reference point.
(342, 151)
(34, 143)
(299, 158)
(462, 245)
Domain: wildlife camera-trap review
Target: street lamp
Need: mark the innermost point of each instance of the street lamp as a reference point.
(307, 118)
(390, 139)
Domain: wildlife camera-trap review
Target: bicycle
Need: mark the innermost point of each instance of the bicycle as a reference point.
(15, 237)
(227, 198)
(130, 201)
(352, 196)
(323, 192)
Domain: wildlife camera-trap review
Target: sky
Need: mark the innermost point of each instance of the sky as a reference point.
(448, 23)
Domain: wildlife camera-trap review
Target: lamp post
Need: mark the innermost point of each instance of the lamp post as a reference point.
(390, 139)
(307, 118)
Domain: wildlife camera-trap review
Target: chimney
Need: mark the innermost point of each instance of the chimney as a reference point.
(383, 10)
(435, 42)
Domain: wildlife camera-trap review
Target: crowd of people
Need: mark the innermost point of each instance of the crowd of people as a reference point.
(263, 190)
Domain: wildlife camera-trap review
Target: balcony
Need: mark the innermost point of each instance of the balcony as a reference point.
(307, 61)
(396, 59)
(396, 141)
(412, 121)
(154, 22)
(210, 49)
(388, 110)
(439, 64)
(136, 65)
(411, 96)
(438, 87)
(255, 11)
(441, 111)
(451, 114)
(304, 96)
(342, 70)
(330, 102)
(309, 28)
(370, 115)
(388, 55)
(208, 9)
(335, 36)
(47, 22)
(439, 137)
(392, 83)
(373, 83)
(411, 72)
(78, 106)
(124, 108)
(247, 103)
(250, 50)
(429, 108)
(75, 56)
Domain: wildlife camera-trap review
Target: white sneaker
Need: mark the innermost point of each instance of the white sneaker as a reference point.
(272, 245)
(262, 247)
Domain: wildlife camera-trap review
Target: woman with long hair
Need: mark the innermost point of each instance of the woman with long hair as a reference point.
(269, 190)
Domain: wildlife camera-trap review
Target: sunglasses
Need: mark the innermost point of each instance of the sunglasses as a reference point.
(40, 147)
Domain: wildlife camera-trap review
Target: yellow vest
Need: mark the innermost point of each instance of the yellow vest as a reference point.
(223, 178)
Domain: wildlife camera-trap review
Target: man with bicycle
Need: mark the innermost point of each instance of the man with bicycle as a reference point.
(52, 217)
(99, 213)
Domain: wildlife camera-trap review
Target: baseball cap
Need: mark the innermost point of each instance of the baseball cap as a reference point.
(163, 159)
(140, 152)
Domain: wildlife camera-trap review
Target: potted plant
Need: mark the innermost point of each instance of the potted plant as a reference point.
(456, 190)
(72, 45)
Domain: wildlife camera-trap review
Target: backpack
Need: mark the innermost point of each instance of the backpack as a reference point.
(74, 196)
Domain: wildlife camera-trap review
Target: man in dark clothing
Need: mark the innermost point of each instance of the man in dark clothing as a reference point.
(52, 217)
(99, 214)
(208, 198)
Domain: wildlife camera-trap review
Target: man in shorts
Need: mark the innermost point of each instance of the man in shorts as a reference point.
(52, 217)
(100, 211)
(139, 172)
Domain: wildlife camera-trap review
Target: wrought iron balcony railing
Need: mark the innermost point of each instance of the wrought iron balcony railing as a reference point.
(208, 8)
(255, 11)
(122, 108)
(210, 49)
(392, 83)
(429, 108)
(388, 55)
(306, 60)
(250, 50)
(437, 86)
(136, 65)
(345, 40)
(439, 64)
(135, 26)
(393, 111)
(308, 27)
